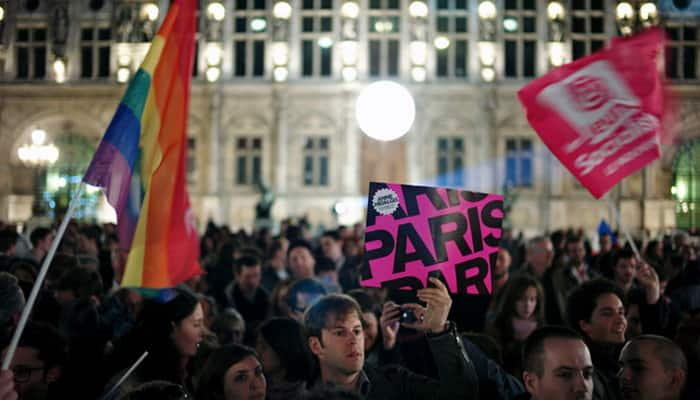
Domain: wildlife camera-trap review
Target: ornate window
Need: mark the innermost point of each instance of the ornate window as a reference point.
(317, 27)
(250, 26)
(94, 51)
(451, 21)
(31, 52)
(686, 186)
(520, 38)
(587, 27)
(519, 157)
(316, 154)
(682, 45)
(384, 38)
(450, 161)
(248, 160)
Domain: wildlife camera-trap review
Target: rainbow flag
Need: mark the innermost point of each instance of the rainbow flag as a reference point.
(141, 160)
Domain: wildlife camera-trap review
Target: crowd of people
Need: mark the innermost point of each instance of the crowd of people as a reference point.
(285, 317)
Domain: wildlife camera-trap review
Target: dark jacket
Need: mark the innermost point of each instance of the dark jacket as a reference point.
(606, 386)
(251, 311)
(458, 378)
(270, 278)
(494, 382)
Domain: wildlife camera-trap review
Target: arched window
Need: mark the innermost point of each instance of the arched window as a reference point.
(686, 185)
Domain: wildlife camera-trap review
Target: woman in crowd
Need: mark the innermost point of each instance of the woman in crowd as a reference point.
(285, 356)
(232, 372)
(520, 312)
(170, 330)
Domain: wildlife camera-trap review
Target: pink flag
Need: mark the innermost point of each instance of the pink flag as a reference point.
(602, 115)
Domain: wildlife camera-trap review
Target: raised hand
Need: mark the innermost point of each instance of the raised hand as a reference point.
(389, 324)
(7, 386)
(434, 316)
(648, 278)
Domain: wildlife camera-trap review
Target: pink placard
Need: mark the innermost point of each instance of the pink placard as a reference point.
(415, 231)
(602, 115)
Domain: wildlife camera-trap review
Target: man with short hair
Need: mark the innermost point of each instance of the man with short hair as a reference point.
(347, 267)
(301, 261)
(601, 262)
(625, 269)
(332, 247)
(38, 362)
(275, 268)
(539, 254)
(335, 337)
(557, 365)
(652, 368)
(8, 246)
(637, 279)
(41, 239)
(79, 284)
(245, 293)
(596, 310)
(500, 272)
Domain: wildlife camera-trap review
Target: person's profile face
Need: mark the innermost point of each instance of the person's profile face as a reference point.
(503, 261)
(642, 375)
(268, 357)
(189, 332)
(567, 372)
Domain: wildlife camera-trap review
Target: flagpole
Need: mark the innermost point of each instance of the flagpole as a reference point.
(40, 279)
(616, 215)
(123, 378)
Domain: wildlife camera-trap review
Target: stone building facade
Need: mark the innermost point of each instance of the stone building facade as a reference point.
(288, 119)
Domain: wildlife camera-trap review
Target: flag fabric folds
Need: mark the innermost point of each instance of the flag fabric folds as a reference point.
(141, 160)
(602, 115)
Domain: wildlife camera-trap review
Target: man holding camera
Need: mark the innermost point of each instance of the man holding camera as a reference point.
(334, 333)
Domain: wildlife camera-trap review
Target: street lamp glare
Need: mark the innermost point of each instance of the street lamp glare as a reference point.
(282, 10)
(385, 110)
(418, 9)
(487, 10)
(647, 11)
(38, 136)
(555, 11)
(350, 9)
(216, 11)
(441, 42)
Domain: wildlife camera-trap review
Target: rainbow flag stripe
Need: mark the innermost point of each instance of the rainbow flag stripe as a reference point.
(141, 160)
